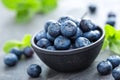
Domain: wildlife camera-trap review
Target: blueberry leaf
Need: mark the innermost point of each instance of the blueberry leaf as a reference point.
(11, 44)
(26, 40)
(109, 31)
(105, 44)
(117, 35)
(48, 5)
(115, 46)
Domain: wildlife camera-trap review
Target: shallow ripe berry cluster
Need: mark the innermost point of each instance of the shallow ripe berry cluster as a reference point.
(67, 33)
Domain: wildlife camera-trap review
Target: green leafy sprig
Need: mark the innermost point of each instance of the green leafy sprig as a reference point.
(17, 44)
(26, 9)
(112, 39)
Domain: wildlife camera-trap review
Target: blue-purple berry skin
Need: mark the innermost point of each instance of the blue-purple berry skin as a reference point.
(51, 48)
(10, 60)
(115, 60)
(68, 29)
(87, 25)
(43, 43)
(17, 52)
(54, 29)
(93, 35)
(79, 33)
(62, 43)
(50, 37)
(47, 24)
(34, 70)
(81, 42)
(116, 73)
(41, 34)
(28, 52)
(104, 67)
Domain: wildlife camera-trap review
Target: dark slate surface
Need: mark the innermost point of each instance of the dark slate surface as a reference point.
(10, 30)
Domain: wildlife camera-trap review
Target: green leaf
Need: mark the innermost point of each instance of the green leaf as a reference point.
(11, 44)
(115, 46)
(109, 31)
(12, 4)
(117, 35)
(105, 44)
(26, 40)
(48, 5)
(24, 16)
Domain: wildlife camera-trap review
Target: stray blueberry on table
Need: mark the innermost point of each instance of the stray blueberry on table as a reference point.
(41, 34)
(116, 73)
(28, 52)
(17, 52)
(92, 35)
(104, 67)
(87, 25)
(43, 43)
(34, 70)
(111, 21)
(111, 14)
(47, 24)
(62, 43)
(81, 42)
(92, 8)
(115, 60)
(10, 60)
(54, 29)
(68, 29)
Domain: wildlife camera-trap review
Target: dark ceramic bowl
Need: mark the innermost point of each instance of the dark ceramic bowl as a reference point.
(70, 60)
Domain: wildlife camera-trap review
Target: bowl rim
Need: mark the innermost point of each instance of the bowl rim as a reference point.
(70, 51)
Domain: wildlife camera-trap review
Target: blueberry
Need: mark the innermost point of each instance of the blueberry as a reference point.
(92, 8)
(28, 52)
(43, 43)
(17, 52)
(62, 43)
(81, 42)
(68, 29)
(51, 48)
(66, 18)
(87, 25)
(10, 60)
(116, 73)
(50, 37)
(54, 29)
(104, 67)
(92, 35)
(115, 60)
(34, 70)
(47, 24)
(111, 14)
(41, 34)
(79, 33)
(111, 21)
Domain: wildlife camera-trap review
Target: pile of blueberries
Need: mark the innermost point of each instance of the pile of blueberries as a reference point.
(112, 64)
(15, 55)
(111, 19)
(67, 33)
